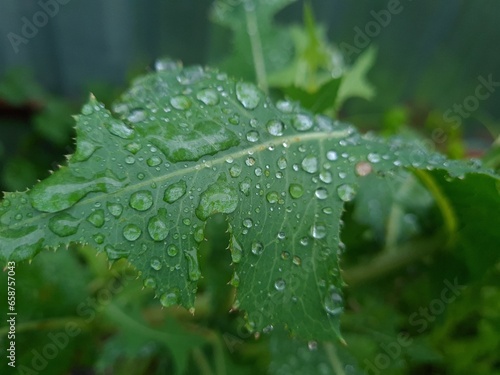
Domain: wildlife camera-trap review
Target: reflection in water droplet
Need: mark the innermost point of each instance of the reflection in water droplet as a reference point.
(275, 127)
(141, 200)
(280, 285)
(208, 97)
(302, 122)
(115, 254)
(248, 95)
(175, 191)
(63, 224)
(257, 248)
(157, 226)
(170, 298)
(332, 302)
(318, 231)
(310, 164)
(346, 192)
(296, 191)
(98, 238)
(131, 232)
(96, 218)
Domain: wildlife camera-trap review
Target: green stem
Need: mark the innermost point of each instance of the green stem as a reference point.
(48, 324)
(333, 358)
(202, 362)
(392, 260)
(257, 51)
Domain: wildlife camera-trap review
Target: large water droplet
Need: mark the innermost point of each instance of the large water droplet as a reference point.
(332, 302)
(296, 191)
(257, 247)
(248, 95)
(193, 266)
(218, 198)
(63, 224)
(96, 218)
(157, 226)
(275, 127)
(208, 97)
(318, 231)
(175, 191)
(141, 200)
(280, 285)
(236, 249)
(131, 232)
(346, 192)
(180, 102)
(310, 164)
(170, 298)
(115, 209)
(302, 122)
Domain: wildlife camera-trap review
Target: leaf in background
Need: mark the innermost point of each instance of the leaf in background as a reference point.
(259, 46)
(188, 143)
(318, 101)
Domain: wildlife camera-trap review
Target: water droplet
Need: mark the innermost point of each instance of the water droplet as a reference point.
(304, 241)
(96, 218)
(137, 115)
(63, 224)
(166, 64)
(310, 164)
(257, 248)
(141, 200)
(346, 192)
(198, 235)
(248, 95)
(149, 283)
(119, 129)
(115, 209)
(318, 231)
(363, 168)
(190, 75)
(156, 264)
(193, 266)
(297, 261)
(327, 210)
(208, 97)
(157, 226)
(235, 171)
(130, 160)
(131, 232)
(245, 186)
(275, 127)
(280, 285)
(332, 155)
(284, 106)
(98, 238)
(153, 161)
(333, 303)
(250, 161)
(296, 191)
(258, 172)
(285, 255)
(272, 197)
(87, 109)
(281, 235)
(281, 163)
(236, 250)
(186, 221)
(302, 122)
(373, 157)
(180, 102)
(252, 136)
(247, 223)
(172, 250)
(170, 298)
(218, 198)
(175, 191)
(312, 345)
(235, 280)
(115, 254)
(321, 193)
(326, 177)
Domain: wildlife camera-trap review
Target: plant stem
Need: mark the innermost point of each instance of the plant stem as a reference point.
(257, 53)
(392, 260)
(333, 358)
(48, 324)
(202, 362)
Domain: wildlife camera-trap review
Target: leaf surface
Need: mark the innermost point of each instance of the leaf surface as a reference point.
(186, 143)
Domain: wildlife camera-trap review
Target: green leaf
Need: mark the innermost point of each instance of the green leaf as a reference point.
(185, 144)
(319, 100)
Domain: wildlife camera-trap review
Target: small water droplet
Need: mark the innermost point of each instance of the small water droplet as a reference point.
(87, 109)
(157, 226)
(193, 266)
(321, 193)
(282, 163)
(326, 177)
(245, 186)
(285, 255)
(327, 210)
(346, 192)
(272, 197)
(280, 285)
(250, 161)
(208, 97)
(175, 191)
(373, 157)
(304, 241)
(297, 261)
(172, 250)
(332, 155)
(363, 168)
(284, 106)
(180, 102)
(281, 235)
(253, 136)
(275, 127)
(235, 171)
(312, 345)
(131, 232)
(119, 129)
(257, 248)
(149, 283)
(302, 122)
(63, 224)
(170, 298)
(115, 209)
(137, 115)
(296, 191)
(166, 64)
(235, 249)
(258, 172)
(153, 161)
(133, 147)
(218, 198)
(156, 264)
(318, 231)
(247, 223)
(332, 302)
(96, 218)
(310, 164)
(98, 238)
(248, 95)
(141, 200)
